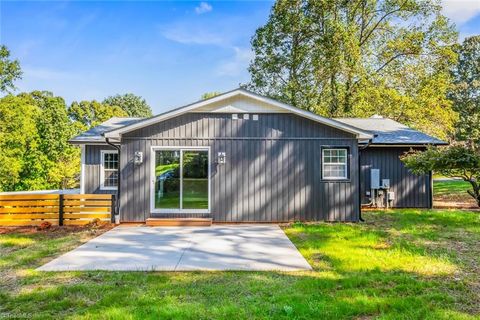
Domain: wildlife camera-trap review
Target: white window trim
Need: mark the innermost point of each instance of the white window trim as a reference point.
(102, 169)
(152, 179)
(335, 163)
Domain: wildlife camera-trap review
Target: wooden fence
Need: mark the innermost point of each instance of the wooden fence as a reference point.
(58, 209)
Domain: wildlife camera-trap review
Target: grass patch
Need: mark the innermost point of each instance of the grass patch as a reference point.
(403, 264)
(452, 190)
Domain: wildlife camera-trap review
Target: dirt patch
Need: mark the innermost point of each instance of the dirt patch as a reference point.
(470, 205)
(56, 231)
(454, 197)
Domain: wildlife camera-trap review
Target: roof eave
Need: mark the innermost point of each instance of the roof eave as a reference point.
(79, 142)
(409, 144)
(359, 133)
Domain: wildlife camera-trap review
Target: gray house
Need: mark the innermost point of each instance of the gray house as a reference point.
(241, 157)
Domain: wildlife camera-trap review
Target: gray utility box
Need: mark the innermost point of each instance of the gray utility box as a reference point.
(374, 178)
(386, 183)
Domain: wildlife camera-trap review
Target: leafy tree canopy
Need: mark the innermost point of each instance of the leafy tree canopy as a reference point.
(88, 114)
(53, 125)
(455, 161)
(18, 141)
(34, 152)
(208, 95)
(9, 70)
(133, 105)
(358, 58)
(466, 91)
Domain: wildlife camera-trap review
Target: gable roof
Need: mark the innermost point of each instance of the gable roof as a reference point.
(390, 132)
(267, 102)
(95, 134)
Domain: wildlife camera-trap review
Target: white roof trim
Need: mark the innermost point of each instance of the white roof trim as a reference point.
(361, 134)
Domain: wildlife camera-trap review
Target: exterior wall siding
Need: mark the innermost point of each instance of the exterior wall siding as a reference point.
(272, 171)
(411, 191)
(92, 168)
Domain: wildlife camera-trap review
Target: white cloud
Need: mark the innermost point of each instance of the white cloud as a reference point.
(204, 7)
(237, 64)
(191, 34)
(26, 48)
(461, 11)
(45, 73)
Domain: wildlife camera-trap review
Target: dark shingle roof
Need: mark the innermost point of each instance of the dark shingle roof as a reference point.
(388, 131)
(94, 135)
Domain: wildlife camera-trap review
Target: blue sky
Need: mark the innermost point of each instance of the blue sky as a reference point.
(167, 52)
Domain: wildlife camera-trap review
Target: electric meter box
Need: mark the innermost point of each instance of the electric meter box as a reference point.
(374, 178)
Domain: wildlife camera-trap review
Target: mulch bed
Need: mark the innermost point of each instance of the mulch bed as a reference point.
(56, 231)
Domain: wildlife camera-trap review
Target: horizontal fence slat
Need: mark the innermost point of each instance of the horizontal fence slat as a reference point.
(31, 203)
(18, 223)
(29, 210)
(86, 215)
(76, 222)
(28, 216)
(87, 196)
(35, 209)
(87, 203)
(86, 209)
(29, 196)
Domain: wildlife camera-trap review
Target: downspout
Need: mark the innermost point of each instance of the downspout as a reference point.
(359, 179)
(117, 202)
(430, 198)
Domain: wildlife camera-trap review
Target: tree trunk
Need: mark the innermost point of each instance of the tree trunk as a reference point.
(475, 192)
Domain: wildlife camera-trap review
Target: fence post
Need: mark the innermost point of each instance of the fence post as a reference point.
(60, 210)
(112, 210)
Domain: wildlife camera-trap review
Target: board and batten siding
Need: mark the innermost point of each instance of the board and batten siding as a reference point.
(272, 171)
(411, 191)
(92, 168)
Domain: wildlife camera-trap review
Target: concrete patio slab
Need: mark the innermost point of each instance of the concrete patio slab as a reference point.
(219, 247)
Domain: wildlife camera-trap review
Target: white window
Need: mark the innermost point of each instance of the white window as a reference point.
(335, 164)
(109, 170)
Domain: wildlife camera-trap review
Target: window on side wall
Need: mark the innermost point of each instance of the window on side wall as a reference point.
(109, 170)
(335, 163)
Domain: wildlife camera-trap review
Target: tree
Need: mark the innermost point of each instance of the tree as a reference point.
(18, 142)
(34, 149)
(54, 128)
(9, 70)
(133, 105)
(455, 161)
(53, 125)
(282, 67)
(208, 95)
(352, 58)
(466, 91)
(88, 114)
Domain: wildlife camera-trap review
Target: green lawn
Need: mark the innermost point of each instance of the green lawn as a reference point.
(452, 190)
(405, 264)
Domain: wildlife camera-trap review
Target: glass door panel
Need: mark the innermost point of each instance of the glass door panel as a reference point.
(195, 179)
(167, 179)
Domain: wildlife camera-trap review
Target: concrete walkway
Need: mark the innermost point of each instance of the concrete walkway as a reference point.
(219, 247)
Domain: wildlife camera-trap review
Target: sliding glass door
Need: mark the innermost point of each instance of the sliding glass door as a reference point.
(167, 179)
(195, 179)
(180, 180)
